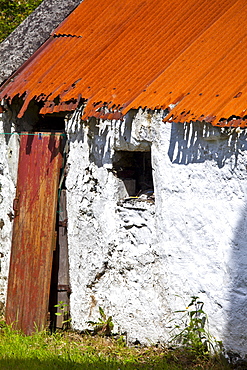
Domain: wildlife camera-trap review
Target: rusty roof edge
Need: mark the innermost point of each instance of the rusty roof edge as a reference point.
(117, 113)
(232, 121)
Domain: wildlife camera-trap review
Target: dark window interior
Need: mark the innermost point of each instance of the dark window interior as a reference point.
(135, 169)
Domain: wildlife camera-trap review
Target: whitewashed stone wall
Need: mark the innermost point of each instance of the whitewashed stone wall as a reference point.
(9, 152)
(135, 258)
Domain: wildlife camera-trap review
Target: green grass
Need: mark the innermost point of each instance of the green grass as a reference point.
(67, 350)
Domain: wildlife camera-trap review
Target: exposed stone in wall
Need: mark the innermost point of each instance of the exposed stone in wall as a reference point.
(133, 257)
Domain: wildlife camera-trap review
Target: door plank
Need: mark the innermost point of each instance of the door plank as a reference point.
(40, 160)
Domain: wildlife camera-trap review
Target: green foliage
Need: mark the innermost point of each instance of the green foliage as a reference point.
(63, 308)
(104, 325)
(193, 332)
(121, 341)
(13, 12)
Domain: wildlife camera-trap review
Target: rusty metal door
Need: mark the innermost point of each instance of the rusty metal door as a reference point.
(34, 237)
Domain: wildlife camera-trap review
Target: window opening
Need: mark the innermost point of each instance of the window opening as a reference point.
(135, 170)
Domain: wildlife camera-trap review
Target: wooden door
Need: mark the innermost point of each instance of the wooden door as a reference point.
(34, 237)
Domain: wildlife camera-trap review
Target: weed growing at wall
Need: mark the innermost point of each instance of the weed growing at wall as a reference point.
(63, 311)
(193, 332)
(104, 325)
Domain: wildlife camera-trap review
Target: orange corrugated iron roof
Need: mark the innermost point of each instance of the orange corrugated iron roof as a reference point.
(186, 55)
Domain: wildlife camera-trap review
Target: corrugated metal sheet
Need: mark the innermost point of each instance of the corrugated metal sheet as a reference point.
(185, 55)
(33, 238)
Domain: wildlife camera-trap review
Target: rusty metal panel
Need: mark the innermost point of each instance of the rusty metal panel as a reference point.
(40, 160)
(188, 56)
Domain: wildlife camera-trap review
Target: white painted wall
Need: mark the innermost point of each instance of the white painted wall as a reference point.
(134, 260)
(9, 149)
